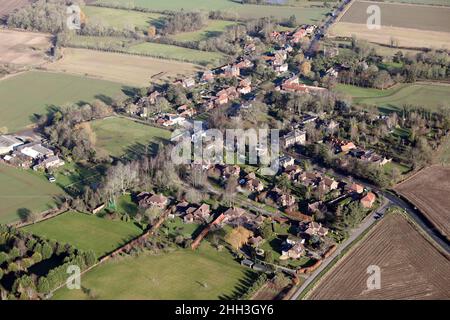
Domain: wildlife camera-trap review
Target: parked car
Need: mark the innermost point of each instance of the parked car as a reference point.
(51, 179)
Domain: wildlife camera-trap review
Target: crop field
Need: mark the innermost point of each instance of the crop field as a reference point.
(23, 48)
(119, 19)
(430, 96)
(411, 267)
(411, 26)
(305, 11)
(9, 6)
(213, 29)
(123, 137)
(86, 232)
(128, 69)
(182, 274)
(23, 191)
(429, 191)
(21, 99)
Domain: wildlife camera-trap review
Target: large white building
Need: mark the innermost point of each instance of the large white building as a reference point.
(8, 143)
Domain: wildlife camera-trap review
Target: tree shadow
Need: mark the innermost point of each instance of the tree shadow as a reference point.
(158, 23)
(24, 214)
(242, 286)
(130, 91)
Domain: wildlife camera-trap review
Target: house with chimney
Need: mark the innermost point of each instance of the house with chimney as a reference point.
(315, 228)
(293, 138)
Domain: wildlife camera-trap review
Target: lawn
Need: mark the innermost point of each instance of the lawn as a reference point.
(123, 137)
(120, 19)
(28, 94)
(427, 95)
(183, 274)
(86, 232)
(305, 11)
(213, 29)
(166, 51)
(22, 190)
(176, 226)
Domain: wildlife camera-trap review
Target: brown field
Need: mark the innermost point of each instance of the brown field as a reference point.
(411, 267)
(23, 48)
(430, 18)
(8, 6)
(429, 191)
(413, 26)
(123, 68)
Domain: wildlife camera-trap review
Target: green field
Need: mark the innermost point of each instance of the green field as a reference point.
(22, 190)
(119, 19)
(155, 50)
(427, 95)
(86, 232)
(305, 11)
(27, 94)
(166, 51)
(183, 274)
(213, 29)
(119, 137)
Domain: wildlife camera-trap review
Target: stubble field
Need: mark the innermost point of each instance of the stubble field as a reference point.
(429, 191)
(413, 26)
(23, 48)
(118, 67)
(410, 266)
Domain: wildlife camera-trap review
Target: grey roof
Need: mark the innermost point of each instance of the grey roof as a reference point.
(9, 141)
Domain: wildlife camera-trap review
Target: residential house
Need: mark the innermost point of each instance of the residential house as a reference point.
(315, 228)
(292, 171)
(285, 200)
(188, 82)
(186, 111)
(347, 146)
(298, 35)
(153, 96)
(244, 64)
(330, 52)
(286, 160)
(200, 214)
(368, 200)
(294, 137)
(294, 252)
(50, 162)
(231, 71)
(207, 76)
(254, 185)
(332, 72)
(255, 241)
(357, 188)
(230, 170)
(330, 183)
(282, 68)
(157, 200)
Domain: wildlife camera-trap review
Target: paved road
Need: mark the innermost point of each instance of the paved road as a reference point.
(354, 234)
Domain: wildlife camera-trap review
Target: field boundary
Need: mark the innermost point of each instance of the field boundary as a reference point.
(112, 254)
